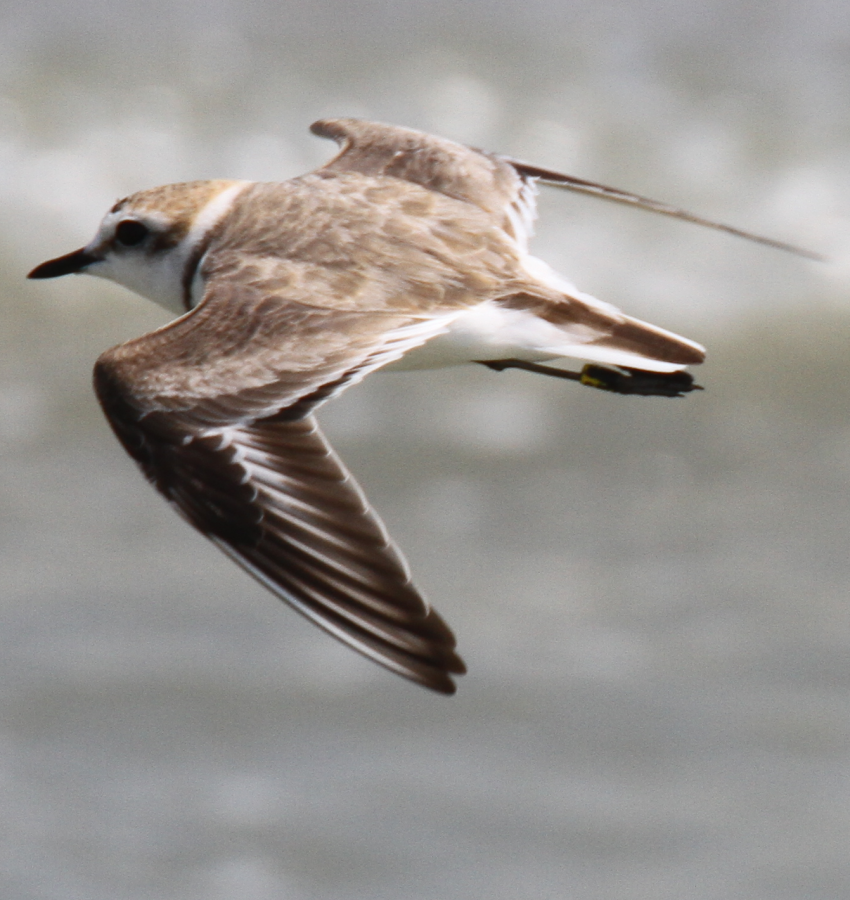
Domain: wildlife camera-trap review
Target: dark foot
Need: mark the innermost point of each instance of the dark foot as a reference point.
(619, 381)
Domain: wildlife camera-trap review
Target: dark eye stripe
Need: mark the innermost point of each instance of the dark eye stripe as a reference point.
(130, 232)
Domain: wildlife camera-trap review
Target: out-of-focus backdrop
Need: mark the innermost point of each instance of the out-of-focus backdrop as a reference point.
(651, 595)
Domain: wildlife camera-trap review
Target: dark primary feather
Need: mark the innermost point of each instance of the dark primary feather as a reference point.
(274, 496)
(581, 186)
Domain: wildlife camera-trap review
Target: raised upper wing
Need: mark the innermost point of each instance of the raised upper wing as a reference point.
(498, 184)
(483, 179)
(215, 409)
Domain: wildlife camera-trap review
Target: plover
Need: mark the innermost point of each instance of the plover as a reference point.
(402, 246)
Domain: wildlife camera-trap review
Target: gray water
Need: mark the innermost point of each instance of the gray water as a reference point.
(651, 595)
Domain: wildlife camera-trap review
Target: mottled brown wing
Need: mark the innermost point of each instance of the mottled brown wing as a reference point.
(464, 173)
(215, 409)
(498, 184)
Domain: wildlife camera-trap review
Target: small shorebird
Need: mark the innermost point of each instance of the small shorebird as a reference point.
(404, 245)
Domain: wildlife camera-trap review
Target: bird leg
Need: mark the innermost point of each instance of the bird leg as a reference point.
(619, 381)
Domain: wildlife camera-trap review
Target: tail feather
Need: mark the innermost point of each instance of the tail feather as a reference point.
(653, 343)
(579, 326)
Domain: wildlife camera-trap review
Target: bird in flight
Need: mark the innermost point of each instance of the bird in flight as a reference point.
(405, 250)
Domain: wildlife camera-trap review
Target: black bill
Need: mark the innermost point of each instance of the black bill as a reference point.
(63, 265)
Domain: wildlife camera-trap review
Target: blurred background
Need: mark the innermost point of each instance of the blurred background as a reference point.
(651, 594)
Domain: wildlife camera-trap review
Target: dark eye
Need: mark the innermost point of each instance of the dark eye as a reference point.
(130, 232)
